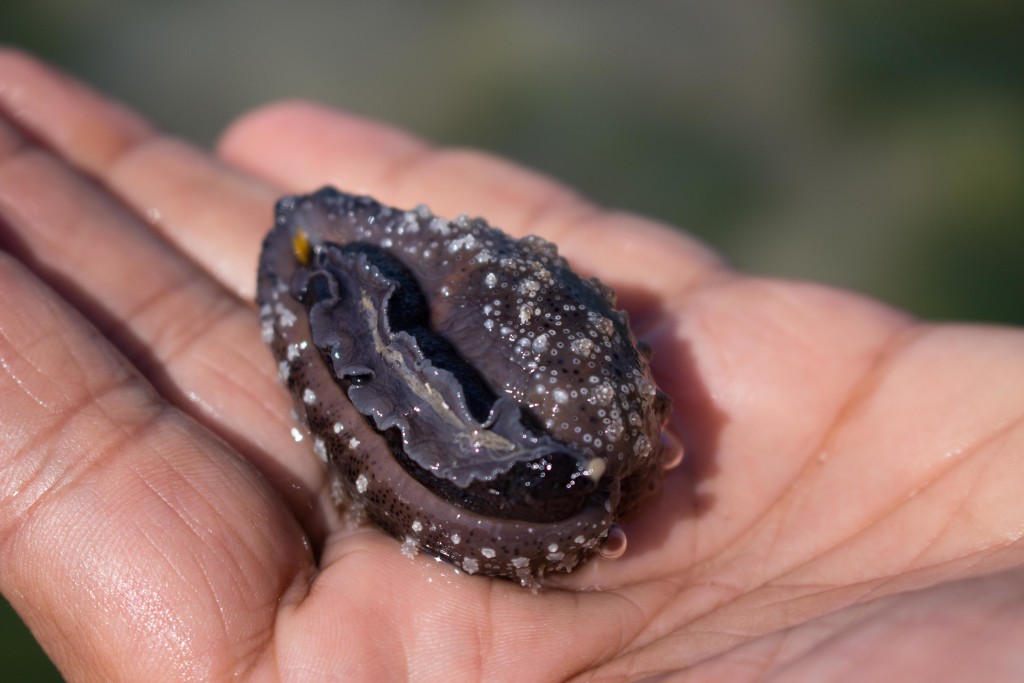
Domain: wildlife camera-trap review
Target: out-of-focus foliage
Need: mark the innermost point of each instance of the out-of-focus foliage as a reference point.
(20, 656)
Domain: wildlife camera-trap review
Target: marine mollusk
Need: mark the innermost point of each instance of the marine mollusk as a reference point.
(476, 398)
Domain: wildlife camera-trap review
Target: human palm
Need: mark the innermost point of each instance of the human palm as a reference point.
(849, 506)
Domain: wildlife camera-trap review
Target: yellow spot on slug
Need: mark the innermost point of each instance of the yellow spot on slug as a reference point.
(301, 247)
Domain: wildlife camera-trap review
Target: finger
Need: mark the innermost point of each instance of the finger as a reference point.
(212, 213)
(135, 545)
(303, 146)
(219, 223)
(199, 346)
(38, 97)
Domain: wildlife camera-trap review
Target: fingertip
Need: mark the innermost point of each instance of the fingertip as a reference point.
(87, 128)
(301, 146)
(14, 60)
(291, 142)
(9, 54)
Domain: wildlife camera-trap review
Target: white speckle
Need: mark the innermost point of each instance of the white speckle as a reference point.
(470, 565)
(603, 325)
(284, 370)
(614, 431)
(338, 427)
(642, 447)
(489, 324)
(579, 540)
(456, 539)
(525, 313)
(296, 434)
(488, 553)
(466, 242)
(423, 211)
(267, 330)
(491, 280)
(528, 286)
(285, 317)
(409, 547)
(445, 292)
(440, 226)
(417, 525)
(308, 396)
(540, 343)
(560, 396)
(553, 548)
(320, 449)
(520, 562)
(555, 557)
(601, 395)
(339, 497)
(292, 352)
(362, 483)
(541, 246)
(596, 468)
(582, 346)
(646, 388)
(354, 442)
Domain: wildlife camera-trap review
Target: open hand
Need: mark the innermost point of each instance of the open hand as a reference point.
(851, 505)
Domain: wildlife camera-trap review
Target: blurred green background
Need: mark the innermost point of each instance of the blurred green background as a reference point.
(872, 145)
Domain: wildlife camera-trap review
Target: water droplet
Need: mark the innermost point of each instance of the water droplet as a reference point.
(614, 544)
(672, 449)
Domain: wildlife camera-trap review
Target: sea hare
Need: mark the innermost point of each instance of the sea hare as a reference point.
(476, 398)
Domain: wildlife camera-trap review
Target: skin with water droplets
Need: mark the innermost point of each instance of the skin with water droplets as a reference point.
(475, 397)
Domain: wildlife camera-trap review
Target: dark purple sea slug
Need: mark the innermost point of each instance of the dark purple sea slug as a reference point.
(475, 397)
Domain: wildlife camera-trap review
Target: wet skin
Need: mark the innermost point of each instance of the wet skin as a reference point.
(849, 505)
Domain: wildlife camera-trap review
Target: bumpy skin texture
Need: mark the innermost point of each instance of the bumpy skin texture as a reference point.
(476, 398)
